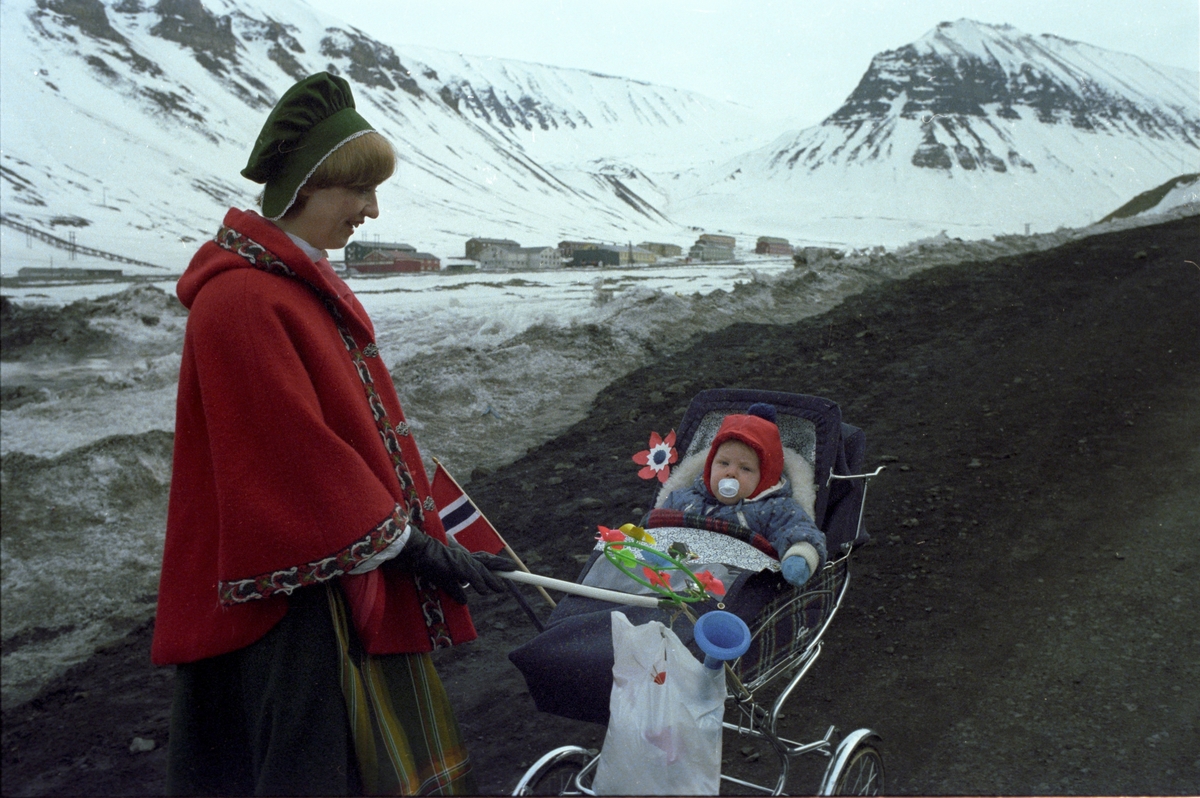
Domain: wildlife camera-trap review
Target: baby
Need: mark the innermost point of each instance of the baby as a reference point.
(743, 483)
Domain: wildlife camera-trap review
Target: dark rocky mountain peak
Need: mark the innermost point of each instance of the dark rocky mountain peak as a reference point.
(968, 68)
(968, 87)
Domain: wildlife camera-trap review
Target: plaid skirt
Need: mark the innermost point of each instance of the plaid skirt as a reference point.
(302, 711)
(406, 740)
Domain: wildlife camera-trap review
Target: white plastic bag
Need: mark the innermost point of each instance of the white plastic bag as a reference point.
(666, 710)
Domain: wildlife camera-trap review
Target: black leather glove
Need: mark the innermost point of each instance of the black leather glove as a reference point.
(452, 568)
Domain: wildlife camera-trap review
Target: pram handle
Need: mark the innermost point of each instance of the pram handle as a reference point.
(576, 589)
(833, 476)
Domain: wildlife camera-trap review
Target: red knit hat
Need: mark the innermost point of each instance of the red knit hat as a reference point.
(759, 434)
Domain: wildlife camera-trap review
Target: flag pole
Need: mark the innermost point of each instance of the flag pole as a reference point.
(507, 549)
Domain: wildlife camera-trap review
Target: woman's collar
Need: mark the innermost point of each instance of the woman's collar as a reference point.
(308, 249)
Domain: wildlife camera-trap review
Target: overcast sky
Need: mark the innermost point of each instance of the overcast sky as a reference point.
(797, 58)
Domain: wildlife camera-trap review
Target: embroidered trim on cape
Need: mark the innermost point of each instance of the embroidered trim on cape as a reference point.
(285, 581)
(435, 616)
(261, 258)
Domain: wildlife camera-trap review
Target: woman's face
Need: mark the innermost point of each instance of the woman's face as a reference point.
(735, 460)
(330, 215)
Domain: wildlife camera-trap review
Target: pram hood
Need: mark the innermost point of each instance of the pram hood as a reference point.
(810, 427)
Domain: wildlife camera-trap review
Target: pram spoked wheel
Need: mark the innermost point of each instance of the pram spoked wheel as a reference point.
(856, 768)
(556, 773)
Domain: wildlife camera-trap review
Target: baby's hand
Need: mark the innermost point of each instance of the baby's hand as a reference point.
(795, 570)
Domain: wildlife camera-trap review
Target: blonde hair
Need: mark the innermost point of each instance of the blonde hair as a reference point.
(363, 162)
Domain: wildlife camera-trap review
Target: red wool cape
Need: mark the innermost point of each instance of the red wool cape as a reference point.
(293, 462)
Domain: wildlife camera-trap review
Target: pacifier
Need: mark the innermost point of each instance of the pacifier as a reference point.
(728, 487)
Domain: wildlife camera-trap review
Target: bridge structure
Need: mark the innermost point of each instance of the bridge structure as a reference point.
(71, 246)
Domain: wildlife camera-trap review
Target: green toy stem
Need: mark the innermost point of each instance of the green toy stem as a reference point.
(691, 597)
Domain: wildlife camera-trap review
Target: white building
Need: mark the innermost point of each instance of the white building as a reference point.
(507, 259)
(542, 258)
(500, 259)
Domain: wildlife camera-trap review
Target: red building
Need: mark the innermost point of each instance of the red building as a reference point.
(391, 261)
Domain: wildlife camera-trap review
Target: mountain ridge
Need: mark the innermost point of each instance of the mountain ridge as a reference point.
(937, 90)
(170, 93)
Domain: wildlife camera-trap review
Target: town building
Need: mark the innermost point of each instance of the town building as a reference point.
(640, 254)
(502, 258)
(596, 255)
(476, 246)
(662, 250)
(355, 251)
(567, 248)
(807, 256)
(768, 245)
(459, 266)
(612, 255)
(711, 247)
(541, 258)
(395, 261)
(495, 258)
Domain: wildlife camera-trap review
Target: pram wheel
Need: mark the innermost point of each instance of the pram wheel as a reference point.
(857, 767)
(863, 774)
(556, 772)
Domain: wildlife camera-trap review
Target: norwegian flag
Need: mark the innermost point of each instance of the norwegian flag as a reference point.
(461, 518)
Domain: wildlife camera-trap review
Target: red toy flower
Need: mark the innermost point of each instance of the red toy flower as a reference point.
(660, 578)
(658, 458)
(610, 535)
(711, 583)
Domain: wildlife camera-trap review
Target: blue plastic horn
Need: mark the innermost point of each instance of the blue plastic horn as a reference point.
(721, 636)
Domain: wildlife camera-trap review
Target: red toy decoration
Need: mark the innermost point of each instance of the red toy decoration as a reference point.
(607, 535)
(657, 460)
(711, 583)
(660, 578)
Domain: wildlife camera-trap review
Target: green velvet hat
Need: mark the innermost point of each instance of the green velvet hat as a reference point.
(311, 120)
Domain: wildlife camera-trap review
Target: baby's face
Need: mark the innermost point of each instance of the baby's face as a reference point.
(735, 460)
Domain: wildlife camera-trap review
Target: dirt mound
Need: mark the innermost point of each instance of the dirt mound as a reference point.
(140, 322)
(83, 328)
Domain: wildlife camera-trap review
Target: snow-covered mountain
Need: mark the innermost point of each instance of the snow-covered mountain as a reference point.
(974, 128)
(129, 122)
(126, 124)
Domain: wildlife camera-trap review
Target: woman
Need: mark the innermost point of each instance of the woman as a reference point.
(306, 575)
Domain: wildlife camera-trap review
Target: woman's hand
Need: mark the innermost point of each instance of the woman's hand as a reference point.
(451, 567)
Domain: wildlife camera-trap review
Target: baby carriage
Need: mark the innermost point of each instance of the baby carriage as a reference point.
(824, 460)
